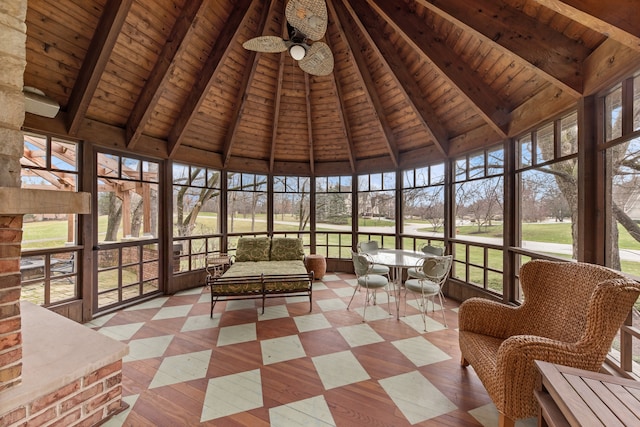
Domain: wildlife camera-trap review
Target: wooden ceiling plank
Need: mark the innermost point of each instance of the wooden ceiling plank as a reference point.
(177, 42)
(539, 47)
(218, 54)
(113, 17)
(362, 15)
(412, 29)
(365, 79)
(307, 91)
(612, 18)
(237, 114)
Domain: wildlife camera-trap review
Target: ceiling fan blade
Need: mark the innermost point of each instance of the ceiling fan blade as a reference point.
(318, 61)
(308, 16)
(268, 44)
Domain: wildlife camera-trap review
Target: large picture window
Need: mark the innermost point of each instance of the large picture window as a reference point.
(547, 174)
(48, 264)
(196, 216)
(334, 206)
(247, 203)
(291, 203)
(377, 206)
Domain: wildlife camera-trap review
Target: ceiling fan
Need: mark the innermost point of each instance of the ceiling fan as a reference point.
(306, 22)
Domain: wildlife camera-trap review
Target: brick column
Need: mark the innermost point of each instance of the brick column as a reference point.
(13, 60)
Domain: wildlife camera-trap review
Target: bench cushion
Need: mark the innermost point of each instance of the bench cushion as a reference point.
(253, 249)
(286, 249)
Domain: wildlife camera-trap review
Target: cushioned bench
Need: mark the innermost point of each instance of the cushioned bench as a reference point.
(264, 268)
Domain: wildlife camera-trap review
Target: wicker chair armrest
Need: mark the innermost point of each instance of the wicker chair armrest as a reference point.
(483, 316)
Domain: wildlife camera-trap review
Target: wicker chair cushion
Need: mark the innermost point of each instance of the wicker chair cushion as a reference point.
(253, 249)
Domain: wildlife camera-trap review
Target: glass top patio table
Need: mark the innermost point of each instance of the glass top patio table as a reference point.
(398, 259)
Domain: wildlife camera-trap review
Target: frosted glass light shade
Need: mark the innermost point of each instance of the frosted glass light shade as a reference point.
(297, 52)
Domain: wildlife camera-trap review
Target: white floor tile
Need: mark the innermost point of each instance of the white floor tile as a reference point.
(196, 323)
(273, 312)
(375, 312)
(319, 286)
(487, 415)
(344, 292)
(193, 291)
(330, 278)
(339, 369)
(121, 332)
(415, 321)
(232, 394)
(243, 304)
(294, 300)
(331, 304)
(311, 322)
(280, 349)
(146, 348)
(358, 335)
(313, 412)
(154, 303)
(99, 321)
(237, 334)
(173, 312)
(416, 397)
(420, 351)
(185, 367)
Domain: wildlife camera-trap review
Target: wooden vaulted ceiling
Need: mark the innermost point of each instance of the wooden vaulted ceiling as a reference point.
(414, 81)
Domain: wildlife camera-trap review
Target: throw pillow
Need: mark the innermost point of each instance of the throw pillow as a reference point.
(253, 249)
(286, 249)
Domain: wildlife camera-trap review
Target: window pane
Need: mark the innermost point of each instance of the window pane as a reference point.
(495, 159)
(437, 173)
(291, 205)
(479, 209)
(569, 135)
(636, 103)
(424, 210)
(545, 147)
(476, 166)
(546, 213)
(525, 151)
(613, 114)
(623, 161)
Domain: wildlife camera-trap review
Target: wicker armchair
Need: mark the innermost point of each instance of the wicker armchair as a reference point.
(570, 316)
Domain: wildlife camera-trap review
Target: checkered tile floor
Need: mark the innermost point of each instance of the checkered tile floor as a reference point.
(292, 367)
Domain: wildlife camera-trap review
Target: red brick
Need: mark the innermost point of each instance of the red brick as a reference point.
(10, 340)
(54, 397)
(10, 281)
(10, 325)
(68, 419)
(10, 373)
(81, 397)
(14, 221)
(9, 295)
(10, 235)
(9, 250)
(103, 372)
(11, 356)
(9, 265)
(116, 407)
(92, 420)
(13, 417)
(41, 419)
(102, 400)
(14, 382)
(114, 380)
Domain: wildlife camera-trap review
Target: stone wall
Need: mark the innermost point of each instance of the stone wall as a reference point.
(13, 60)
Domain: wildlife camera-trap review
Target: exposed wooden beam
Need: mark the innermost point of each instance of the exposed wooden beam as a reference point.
(364, 76)
(616, 19)
(180, 37)
(539, 47)
(307, 91)
(609, 63)
(218, 54)
(104, 39)
(276, 112)
(412, 29)
(237, 113)
(380, 43)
